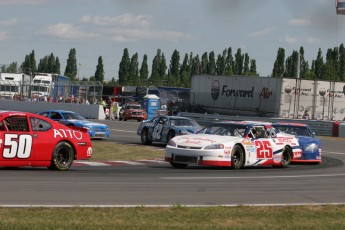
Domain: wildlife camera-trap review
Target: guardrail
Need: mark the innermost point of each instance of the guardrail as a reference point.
(321, 128)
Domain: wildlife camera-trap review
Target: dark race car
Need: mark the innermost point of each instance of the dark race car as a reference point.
(311, 145)
(163, 128)
(28, 139)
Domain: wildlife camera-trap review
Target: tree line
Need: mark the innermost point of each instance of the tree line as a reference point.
(178, 73)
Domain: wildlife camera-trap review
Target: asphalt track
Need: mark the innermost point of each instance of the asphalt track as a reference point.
(156, 183)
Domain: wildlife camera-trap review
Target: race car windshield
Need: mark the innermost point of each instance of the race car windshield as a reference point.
(72, 116)
(183, 122)
(295, 130)
(235, 131)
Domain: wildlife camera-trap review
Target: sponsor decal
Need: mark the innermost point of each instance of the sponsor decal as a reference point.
(197, 140)
(89, 152)
(227, 152)
(297, 154)
(266, 93)
(215, 90)
(67, 133)
(277, 158)
(237, 92)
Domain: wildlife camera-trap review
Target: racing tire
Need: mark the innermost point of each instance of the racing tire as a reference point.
(237, 157)
(171, 135)
(63, 156)
(286, 157)
(145, 137)
(178, 165)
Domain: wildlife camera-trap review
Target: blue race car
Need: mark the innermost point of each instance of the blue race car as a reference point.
(311, 145)
(164, 128)
(69, 118)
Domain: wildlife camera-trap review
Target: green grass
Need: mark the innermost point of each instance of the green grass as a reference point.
(104, 151)
(175, 217)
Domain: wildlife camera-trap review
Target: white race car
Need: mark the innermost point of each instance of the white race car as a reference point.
(233, 144)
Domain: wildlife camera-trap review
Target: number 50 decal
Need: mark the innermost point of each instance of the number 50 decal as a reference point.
(263, 149)
(20, 148)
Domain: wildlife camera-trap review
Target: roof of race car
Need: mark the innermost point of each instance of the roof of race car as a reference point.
(58, 110)
(11, 112)
(244, 123)
(289, 124)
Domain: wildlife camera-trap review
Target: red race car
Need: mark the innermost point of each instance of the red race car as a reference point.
(28, 139)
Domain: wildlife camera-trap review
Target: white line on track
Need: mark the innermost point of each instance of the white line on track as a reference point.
(252, 177)
(128, 162)
(92, 163)
(156, 205)
(333, 153)
(124, 131)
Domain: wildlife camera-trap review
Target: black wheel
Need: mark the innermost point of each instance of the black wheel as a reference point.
(286, 157)
(178, 165)
(120, 118)
(125, 119)
(171, 135)
(145, 137)
(62, 157)
(237, 157)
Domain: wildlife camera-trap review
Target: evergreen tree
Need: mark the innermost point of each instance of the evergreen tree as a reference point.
(185, 73)
(155, 74)
(211, 68)
(174, 69)
(163, 68)
(71, 70)
(304, 66)
(204, 63)
(49, 64)
(252, 67)
(319, 66)
(29, 64)
(278, 67)
(330, 65)
(229, 66)
(12, 68)
(134, 70)
(341, 70)
(99, 74)
(124, 68)
(246, 64)
(144, 71)
(291, 65)
(196, 65)
(220, 65)
(57, 66)
(238, 70)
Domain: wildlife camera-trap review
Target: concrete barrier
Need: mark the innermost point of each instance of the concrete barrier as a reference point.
(87, 111)
(341, 129)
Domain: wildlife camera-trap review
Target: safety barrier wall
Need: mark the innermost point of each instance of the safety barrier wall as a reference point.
(321, 128)
(94, 111)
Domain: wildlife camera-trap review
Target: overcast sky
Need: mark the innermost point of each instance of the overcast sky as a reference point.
(106, 27)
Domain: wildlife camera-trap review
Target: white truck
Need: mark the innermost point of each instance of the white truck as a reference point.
(269, 97)
(12, 84)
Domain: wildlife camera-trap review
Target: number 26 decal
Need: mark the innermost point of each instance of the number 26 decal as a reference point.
(20, 148)
(263, 149)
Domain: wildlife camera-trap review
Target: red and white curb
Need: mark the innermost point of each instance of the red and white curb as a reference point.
(115, 163)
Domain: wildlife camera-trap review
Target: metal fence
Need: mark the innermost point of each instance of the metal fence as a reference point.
(64, 91)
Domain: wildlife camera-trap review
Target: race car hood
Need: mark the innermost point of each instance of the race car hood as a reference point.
(303, 140)
(85, 123)
(203, 140)
(186, 129)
